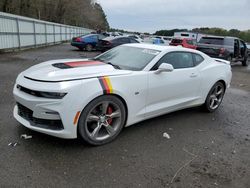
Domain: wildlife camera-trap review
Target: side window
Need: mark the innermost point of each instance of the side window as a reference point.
(242, 45)
(133, 40)
(94, 38)
(100, 37)
(124, 40)
(117, 41)
(179, 60)
(198, 59)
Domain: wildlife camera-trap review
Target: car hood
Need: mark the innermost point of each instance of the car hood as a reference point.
(71, 69)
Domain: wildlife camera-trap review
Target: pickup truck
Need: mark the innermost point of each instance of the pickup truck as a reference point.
(228, 48)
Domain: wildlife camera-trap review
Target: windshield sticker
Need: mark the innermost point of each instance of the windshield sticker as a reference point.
(152, 52)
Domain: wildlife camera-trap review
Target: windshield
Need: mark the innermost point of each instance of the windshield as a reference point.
(128, 58)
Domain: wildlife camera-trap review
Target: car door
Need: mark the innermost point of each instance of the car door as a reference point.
(169, 91)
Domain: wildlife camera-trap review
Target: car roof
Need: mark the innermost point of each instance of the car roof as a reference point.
(112, 38)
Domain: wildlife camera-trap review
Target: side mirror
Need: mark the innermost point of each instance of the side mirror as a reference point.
(164, 67)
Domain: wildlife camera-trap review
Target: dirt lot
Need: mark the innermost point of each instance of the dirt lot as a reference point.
(205, 150)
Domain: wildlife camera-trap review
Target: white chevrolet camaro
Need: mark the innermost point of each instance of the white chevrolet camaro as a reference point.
(96, 98)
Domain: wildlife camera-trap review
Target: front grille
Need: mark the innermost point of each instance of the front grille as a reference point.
(27, 114)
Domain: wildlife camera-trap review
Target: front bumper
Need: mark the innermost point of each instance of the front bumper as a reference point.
(54, 117)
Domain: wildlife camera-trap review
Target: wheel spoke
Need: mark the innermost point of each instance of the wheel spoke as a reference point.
(218, 92)
(216, 100)
(212, 103)
(110, 129)
(105, 107)
(115, 114)
(95, 132)
(92, 117)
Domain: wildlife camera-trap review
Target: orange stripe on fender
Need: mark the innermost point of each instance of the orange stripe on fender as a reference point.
(77, 117)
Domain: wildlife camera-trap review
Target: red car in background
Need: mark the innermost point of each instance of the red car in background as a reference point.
(184, 42)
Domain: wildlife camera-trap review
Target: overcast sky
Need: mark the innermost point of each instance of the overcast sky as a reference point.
(152, 15)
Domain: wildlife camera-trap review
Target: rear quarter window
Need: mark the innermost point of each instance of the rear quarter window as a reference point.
(198, 59)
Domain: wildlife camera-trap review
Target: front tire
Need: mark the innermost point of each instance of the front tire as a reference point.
(214, 97)
(102, 120)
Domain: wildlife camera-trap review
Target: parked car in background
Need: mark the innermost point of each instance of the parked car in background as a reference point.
(136, 37)
(166, 39)
(116, 34)
(248, 49)
(184, 42)
(111, 42)
(230, 48)
(87, 42)
(156, 41)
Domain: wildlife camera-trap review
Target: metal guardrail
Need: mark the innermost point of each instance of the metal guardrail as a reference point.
(17, 32)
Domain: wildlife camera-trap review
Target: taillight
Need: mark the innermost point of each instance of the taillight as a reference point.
(78, 39)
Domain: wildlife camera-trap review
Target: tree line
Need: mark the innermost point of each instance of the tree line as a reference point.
(244, 35)
(82, 13)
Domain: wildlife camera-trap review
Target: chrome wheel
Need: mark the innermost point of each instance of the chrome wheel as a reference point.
(215, 97)
(102, 120)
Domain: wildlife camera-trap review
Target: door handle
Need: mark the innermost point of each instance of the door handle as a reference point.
(193, 75)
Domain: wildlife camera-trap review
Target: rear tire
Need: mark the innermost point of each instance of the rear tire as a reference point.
(214, 97)
(102, 120)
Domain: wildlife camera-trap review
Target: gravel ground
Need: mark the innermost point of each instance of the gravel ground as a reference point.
(204, 150)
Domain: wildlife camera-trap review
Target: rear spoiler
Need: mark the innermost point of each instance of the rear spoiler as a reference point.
(222, 61)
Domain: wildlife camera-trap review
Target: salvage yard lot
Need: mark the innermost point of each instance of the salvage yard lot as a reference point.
(204, 150)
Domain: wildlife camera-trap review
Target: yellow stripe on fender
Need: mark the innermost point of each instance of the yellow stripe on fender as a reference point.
(109, 84)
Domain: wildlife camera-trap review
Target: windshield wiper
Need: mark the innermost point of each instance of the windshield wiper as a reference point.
(115, 66)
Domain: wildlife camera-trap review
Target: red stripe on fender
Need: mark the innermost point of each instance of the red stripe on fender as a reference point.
(105, 83)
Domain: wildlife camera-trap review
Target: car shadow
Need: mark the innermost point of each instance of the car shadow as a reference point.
(161, 122)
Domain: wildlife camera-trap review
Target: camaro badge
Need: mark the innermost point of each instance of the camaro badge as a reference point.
(106, 84)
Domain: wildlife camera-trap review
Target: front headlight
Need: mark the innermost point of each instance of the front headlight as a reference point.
(52, 95)
(49, 95)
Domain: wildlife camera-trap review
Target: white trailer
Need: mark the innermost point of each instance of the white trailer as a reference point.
(192, 35)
